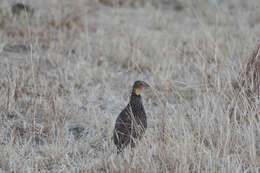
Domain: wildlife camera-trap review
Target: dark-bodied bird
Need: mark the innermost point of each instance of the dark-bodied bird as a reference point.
(131, 122)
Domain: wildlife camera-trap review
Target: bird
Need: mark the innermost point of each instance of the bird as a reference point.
(131, 123)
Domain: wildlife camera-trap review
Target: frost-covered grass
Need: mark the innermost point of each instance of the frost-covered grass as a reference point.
(67, 71)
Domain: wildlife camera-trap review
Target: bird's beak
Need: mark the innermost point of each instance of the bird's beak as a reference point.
(146, 85)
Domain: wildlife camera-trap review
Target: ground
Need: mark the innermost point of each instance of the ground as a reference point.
(67, 68)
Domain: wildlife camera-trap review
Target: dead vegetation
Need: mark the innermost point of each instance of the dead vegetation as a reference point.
(247, 88)
(28, 27)
(249, 78)
(66, 72)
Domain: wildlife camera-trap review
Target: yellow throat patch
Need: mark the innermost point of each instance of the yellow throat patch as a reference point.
(137, 91)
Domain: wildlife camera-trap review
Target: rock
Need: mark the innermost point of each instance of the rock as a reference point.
(18, 8)
(77, 131)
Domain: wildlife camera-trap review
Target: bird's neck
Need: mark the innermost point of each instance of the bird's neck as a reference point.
(135, 96)
(137, 105)
(135, 99)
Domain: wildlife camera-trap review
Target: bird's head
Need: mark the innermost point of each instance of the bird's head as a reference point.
(139, 86)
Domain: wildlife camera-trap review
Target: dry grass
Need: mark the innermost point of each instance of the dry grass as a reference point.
(66, 73)
(250, 76)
